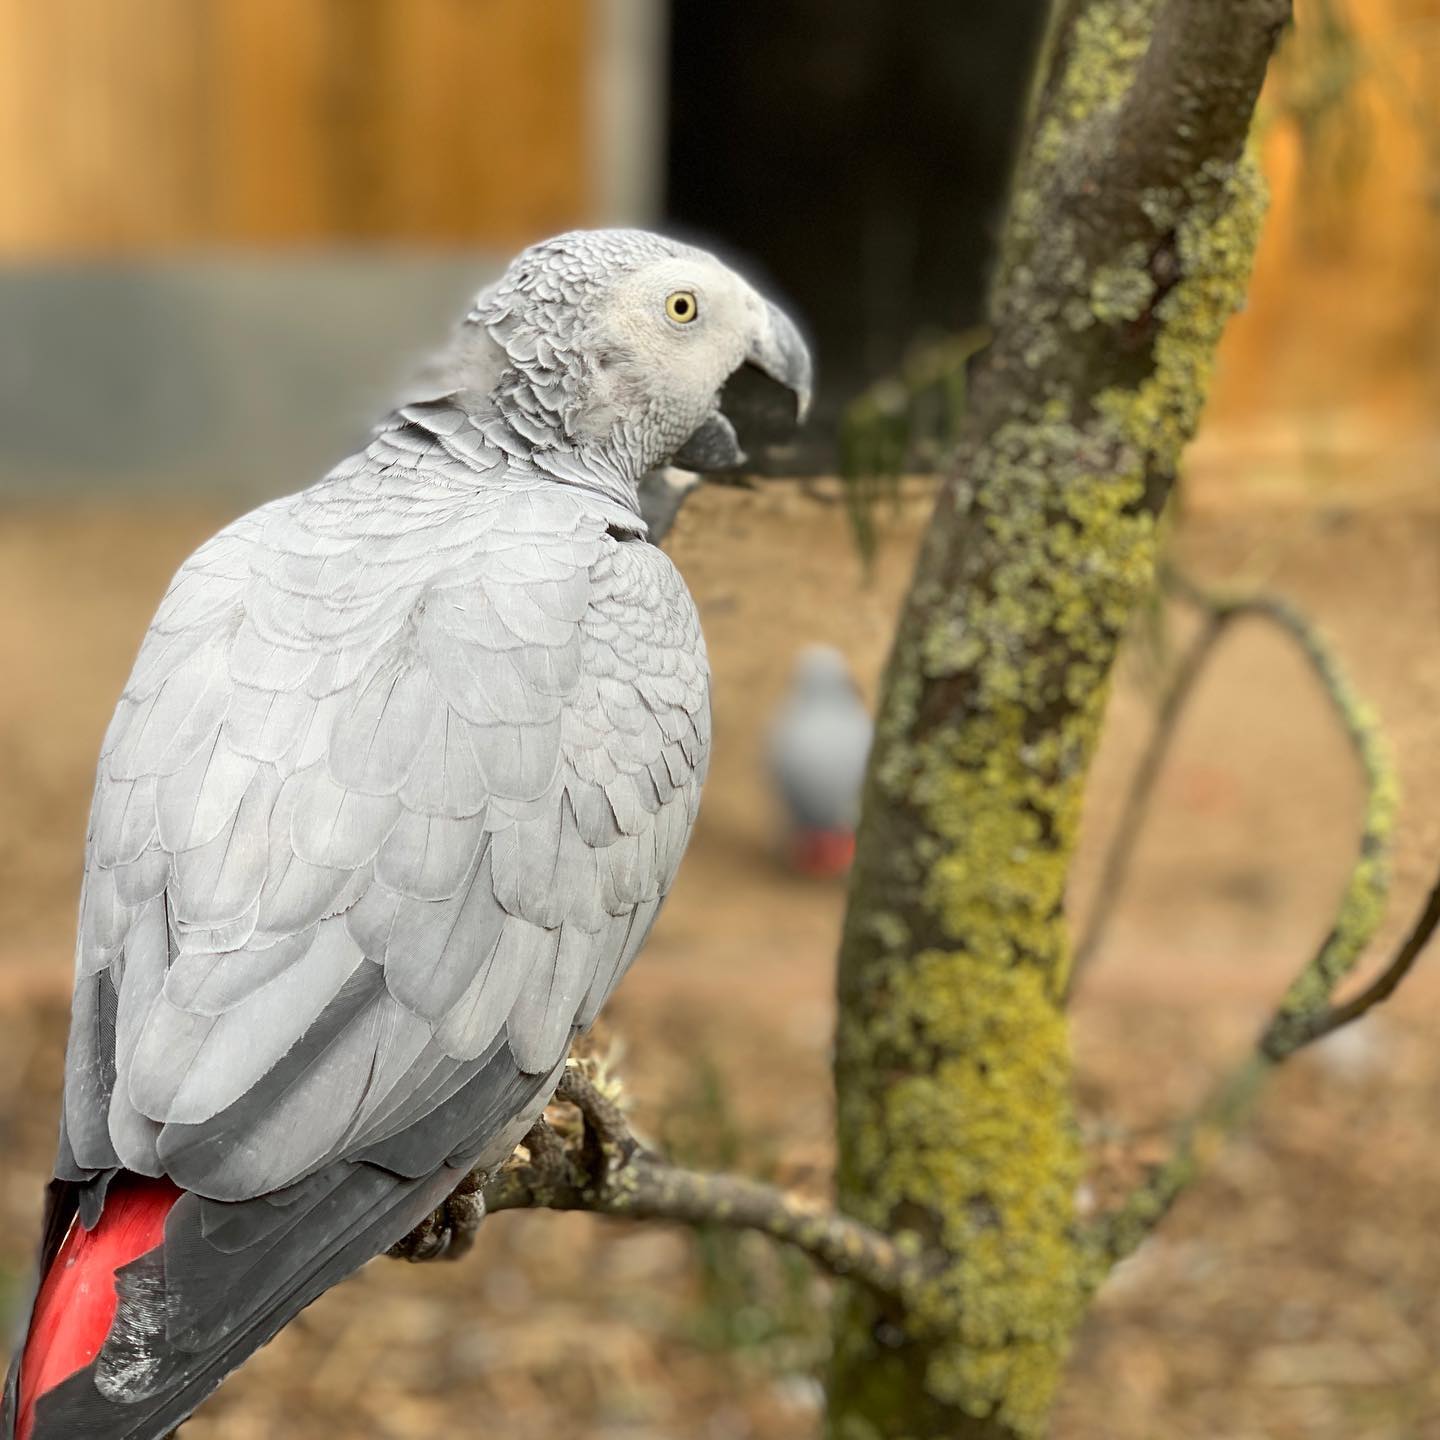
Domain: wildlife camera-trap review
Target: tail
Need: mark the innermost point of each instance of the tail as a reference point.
(75, 1307)
(821, 854)
(138, 1319)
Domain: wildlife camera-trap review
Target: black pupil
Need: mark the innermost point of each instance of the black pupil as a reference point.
(682, 306)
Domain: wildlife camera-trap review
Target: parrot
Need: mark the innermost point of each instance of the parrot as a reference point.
(402, 775)
(818, 749)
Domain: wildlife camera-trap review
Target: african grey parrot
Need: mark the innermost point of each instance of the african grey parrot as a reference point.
(819, 743)
(403, 772)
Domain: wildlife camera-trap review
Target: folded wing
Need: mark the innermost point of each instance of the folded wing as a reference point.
(396, 788)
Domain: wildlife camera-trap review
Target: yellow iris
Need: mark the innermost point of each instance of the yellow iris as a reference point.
(681, 307)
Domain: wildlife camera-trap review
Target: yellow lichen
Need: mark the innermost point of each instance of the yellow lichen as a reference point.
(986, 1141)
(1122, 291)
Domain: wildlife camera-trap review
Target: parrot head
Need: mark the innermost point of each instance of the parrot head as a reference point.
(821, 671)
(619, 343)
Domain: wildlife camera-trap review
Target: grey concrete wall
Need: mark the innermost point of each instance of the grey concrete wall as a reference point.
(243, 375)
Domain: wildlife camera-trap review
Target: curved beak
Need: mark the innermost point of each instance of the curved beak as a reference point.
(779, 351)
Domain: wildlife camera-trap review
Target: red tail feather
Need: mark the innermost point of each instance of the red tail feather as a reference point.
(76, 1304)
(822, 853)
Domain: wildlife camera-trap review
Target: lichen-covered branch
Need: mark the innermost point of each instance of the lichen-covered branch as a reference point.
(1127, 246)
(1362, 906)
(1306, 1011)
(1385, 984)
(604, 1170)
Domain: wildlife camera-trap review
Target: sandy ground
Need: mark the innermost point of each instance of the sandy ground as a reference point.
(1292, 1294)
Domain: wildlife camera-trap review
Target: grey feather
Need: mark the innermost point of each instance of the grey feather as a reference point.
(210, 982)
(481, 1011)
(195, 803)
(433, 950)
(428, 857)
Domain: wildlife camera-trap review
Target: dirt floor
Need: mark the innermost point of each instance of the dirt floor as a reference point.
(1294, 1293)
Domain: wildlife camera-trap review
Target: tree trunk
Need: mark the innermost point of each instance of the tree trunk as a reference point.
(1133, 221)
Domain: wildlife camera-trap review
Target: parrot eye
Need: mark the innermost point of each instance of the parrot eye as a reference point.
(681, 307)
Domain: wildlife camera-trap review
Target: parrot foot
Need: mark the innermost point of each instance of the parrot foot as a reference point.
(448, 1232)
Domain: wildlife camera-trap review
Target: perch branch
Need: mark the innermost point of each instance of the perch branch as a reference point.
(605, 1170)
(1306, 1011)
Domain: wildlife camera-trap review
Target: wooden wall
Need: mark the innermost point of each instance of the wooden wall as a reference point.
(1339, 345)
(151, 126)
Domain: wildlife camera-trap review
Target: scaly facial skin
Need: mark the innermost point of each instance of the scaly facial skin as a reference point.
(619, 343)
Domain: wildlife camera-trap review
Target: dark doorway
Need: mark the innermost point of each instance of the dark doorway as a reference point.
(858, 149)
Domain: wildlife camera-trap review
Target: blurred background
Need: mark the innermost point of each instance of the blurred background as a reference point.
(228, 227)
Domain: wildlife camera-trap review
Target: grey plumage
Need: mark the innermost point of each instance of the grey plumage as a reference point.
(401, 777)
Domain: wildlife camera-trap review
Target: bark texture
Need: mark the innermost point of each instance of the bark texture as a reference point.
(1133, 222)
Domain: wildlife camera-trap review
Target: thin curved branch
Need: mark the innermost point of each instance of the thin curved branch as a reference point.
(1121, 854)
(1385, 984)
(1362, 906)
(605, 1170)
(1306, 1011)
(1198, 1139)
(1369, 883)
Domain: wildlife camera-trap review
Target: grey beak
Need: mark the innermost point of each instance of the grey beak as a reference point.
(780, 351)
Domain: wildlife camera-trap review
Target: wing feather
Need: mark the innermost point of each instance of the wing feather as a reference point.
(124, 821)
(187, 1067)
(377, 738)
(192, 805)
(481, 1011)
(541, 1022)
(428, 857)
(222, 878)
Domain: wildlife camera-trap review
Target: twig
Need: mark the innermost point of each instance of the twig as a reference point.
(1116, 868)
(1305, 1012)
(1120, 1233)
(607, 1171)
(1229, 1105)
(1364, 901)
(1362, 906)
(1384, 985)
